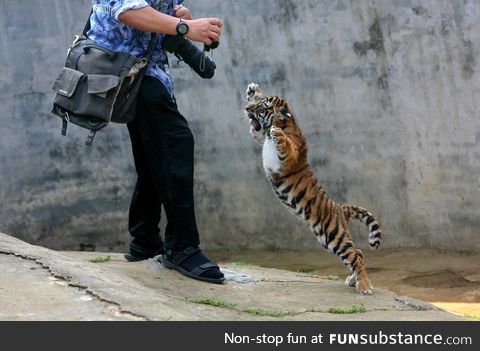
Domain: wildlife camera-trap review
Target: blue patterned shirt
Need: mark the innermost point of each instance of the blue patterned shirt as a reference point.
(108, 31)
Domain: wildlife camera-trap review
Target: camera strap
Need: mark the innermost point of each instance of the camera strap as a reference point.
(203, 58)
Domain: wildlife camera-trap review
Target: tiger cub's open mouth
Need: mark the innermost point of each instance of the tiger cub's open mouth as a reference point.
(255, 124)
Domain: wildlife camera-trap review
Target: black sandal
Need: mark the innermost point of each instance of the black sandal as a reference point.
(139, 253)
(173, 260)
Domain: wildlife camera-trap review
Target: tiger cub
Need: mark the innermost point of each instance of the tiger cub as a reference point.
(272, 124)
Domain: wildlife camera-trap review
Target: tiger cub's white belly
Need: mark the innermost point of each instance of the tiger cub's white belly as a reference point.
(271, 163)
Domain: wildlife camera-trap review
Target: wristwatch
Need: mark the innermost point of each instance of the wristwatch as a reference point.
(182, 27)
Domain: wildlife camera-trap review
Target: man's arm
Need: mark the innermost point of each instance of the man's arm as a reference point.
(148, 19)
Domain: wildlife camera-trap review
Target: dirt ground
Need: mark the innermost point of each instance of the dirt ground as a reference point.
(448, 280)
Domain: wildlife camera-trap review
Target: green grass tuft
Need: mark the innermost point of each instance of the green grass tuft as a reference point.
(347, 310)
(260, 312)
(212, 302)
(99, 259)
(331, 277)
(243, 264)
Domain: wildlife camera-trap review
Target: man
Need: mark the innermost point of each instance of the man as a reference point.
(162, 142)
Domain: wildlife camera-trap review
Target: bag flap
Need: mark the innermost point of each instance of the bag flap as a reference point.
(99, 83)
(67, 81)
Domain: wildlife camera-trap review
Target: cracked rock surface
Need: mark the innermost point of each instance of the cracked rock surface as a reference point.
(40, 284)
(29, 292)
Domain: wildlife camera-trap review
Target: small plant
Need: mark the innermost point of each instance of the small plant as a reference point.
(212, 302)
(331, 277)
(260, 312)
(347, 310)
(243, 264)
(99, 259)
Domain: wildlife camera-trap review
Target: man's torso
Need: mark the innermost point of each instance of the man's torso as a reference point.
(108, 31)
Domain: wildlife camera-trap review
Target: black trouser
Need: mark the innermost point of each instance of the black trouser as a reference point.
(162, 145)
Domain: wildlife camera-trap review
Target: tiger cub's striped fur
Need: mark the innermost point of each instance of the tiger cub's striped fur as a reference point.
(272, 123)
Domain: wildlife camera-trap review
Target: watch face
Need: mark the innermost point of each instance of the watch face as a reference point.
(182, 28)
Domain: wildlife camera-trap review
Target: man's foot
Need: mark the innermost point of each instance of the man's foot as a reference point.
(139, 253)
(193, 263)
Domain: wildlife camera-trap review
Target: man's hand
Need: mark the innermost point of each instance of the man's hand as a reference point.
(205, 30)
(182, 12)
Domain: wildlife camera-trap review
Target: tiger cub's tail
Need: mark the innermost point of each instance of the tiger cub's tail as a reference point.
(375, 235)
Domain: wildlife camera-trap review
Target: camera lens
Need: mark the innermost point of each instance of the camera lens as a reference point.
(185, 50)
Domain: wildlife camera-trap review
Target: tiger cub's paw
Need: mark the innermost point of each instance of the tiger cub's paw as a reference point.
(278, 137)
(277, 134)
(253, 92)
(364, 287)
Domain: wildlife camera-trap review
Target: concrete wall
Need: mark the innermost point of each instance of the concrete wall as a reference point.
(384, 90)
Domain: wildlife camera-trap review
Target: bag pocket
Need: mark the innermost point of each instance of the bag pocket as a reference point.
(100, 85)
(90, 95)
(67, 81)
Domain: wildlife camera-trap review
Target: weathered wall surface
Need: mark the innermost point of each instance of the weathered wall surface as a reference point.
(385, 92)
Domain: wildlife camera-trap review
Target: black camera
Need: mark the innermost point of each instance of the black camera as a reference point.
(186, 51)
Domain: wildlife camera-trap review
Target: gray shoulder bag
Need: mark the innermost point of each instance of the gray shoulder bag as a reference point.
(98, 85)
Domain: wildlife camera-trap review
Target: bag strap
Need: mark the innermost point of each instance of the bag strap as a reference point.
(91, 134)
(150, 44)
(87, 25)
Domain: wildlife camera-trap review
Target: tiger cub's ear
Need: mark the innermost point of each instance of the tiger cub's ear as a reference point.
(253, 93)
